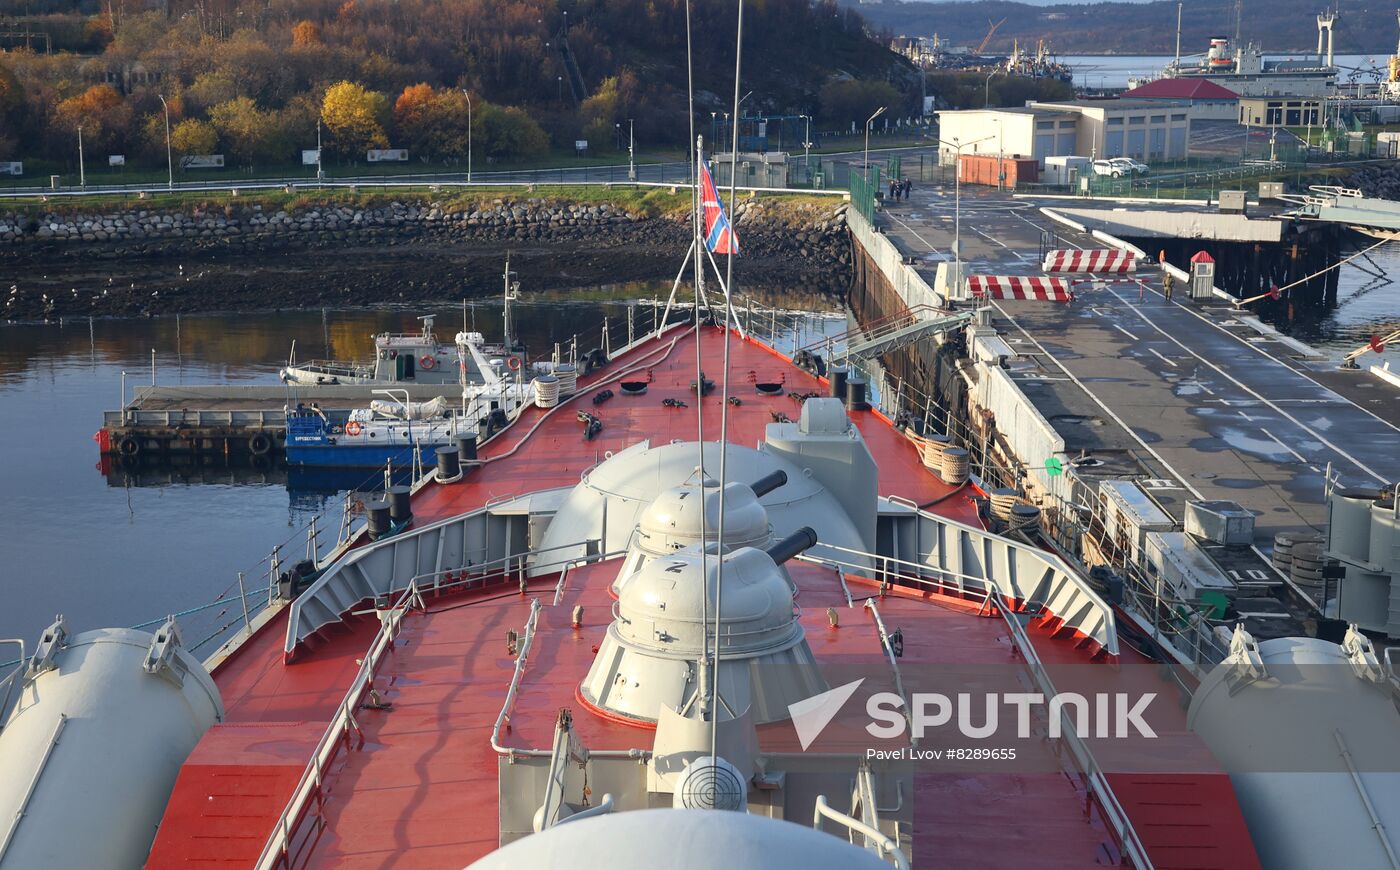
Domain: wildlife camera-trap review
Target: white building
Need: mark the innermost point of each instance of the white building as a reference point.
(1149, 130)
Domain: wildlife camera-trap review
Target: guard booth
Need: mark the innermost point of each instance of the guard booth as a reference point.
(1202, 276)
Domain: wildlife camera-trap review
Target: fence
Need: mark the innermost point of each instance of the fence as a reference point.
(865, 187)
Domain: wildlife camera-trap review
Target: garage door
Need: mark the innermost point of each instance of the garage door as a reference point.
(1113, 144)
(1137, 143)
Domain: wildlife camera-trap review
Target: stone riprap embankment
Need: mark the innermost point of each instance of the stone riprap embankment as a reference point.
(236, 256)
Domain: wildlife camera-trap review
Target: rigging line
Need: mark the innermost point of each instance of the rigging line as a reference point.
(696, 152)
(724, 395)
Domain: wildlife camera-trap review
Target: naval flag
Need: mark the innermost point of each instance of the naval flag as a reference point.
(719, 235)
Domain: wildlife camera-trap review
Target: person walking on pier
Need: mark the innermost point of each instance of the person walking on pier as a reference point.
(1168, 281)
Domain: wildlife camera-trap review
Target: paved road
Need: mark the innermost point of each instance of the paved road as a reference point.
(1191, 389)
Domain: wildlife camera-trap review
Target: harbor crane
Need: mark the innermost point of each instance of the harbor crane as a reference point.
(982, 46)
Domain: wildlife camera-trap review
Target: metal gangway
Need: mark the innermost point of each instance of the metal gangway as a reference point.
(893, 332)
(1344, 205)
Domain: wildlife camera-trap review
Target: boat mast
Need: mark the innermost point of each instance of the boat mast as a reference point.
(1176, 64)
(511, 288)
(1239, 14)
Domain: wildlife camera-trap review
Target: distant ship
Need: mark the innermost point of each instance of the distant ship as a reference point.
(1245, 71)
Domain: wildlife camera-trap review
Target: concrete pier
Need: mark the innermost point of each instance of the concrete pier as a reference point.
(1198, 399)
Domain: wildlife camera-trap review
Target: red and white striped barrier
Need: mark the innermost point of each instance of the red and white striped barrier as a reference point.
(1103, 260)
(1019, 287)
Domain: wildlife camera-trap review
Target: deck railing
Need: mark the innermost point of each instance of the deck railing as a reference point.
(887, 846)
(281, 846)
(1093, 774)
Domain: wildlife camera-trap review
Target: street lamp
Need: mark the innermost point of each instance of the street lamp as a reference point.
(82, 172)
(469, 133)
(319, 169)
(957, 204)
(631, 160)
(807, 145)
(987, 90)
(868, 121)
(169, 160)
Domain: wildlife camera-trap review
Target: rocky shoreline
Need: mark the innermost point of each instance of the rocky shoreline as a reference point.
(139, 261)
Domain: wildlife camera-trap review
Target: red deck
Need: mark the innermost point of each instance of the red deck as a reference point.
(422, 790)
(556, 454)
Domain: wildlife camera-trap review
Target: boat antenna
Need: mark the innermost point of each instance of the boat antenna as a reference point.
(1176, 64)
(724, 377)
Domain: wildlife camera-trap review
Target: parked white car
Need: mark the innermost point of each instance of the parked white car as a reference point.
(1119, 167)
(1134, 167)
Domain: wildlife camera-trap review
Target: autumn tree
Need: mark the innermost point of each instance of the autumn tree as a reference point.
(433, 124)
(11, 107)
(306, 34)
(354, 117)
(508, 133)
(101, 112)
(193, 136)
(245, 129)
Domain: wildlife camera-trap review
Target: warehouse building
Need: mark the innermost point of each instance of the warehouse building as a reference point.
(1149, 130)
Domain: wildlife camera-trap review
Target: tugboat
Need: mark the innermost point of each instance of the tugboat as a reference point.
(419, 358)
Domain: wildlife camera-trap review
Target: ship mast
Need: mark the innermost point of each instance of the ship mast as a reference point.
(1239, 14)
(724, 378)
(1176, 64)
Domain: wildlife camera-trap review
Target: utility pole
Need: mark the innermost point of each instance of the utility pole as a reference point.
(957, 205)
(82, 171)
(169, 160)
(631, 155)
(319, 173)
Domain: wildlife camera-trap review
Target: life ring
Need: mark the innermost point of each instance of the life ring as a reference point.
(352, 428)
(427, 361)
(129, 446)
(259, 444)
(514, 363)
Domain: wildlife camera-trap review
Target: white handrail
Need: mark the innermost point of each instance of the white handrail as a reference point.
(887, 846)
(874, 609)
(1097, 781)
(521, 659)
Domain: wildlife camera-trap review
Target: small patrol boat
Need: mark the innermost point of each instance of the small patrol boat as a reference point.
(398, 432)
